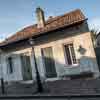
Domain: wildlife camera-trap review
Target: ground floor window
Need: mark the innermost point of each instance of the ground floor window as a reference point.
(69, 52)
(10, 65)
(48, 61)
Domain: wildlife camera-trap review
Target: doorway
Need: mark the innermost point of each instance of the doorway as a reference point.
(26, 67)
(49, 63)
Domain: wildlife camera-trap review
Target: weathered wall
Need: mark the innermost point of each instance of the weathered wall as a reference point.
(86, 61)
(16, 75)
(77, 35)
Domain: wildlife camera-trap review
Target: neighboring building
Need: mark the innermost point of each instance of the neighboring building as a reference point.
(97, 49)
(62, 45)
(98, 40)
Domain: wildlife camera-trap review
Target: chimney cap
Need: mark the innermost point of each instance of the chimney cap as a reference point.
(39, 9)
(50, 17)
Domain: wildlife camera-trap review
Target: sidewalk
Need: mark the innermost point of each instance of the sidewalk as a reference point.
(55, 88)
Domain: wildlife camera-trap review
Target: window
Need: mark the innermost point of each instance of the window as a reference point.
(48, 61)
(10, 65)
(70, 57)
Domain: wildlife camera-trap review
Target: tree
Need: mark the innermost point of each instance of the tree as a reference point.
(93, 35)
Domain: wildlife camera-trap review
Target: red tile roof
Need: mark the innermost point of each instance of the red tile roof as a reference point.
(51, 24)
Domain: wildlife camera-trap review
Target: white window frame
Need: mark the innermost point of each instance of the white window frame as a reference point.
(66, 61)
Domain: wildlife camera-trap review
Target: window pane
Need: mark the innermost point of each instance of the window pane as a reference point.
(73, 53)
(10, 65)
(68, 56)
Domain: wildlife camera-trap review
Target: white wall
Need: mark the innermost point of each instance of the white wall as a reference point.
(86, 62)
(16, 75)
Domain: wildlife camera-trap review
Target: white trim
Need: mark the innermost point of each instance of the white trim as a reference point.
(72, 66)
(42, 56)
(52, 79)
(66, 61)
(69, 47)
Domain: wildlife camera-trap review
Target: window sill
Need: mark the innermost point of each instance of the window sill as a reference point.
(71, 66)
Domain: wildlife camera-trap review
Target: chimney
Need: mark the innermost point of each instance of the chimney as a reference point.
(40, 17)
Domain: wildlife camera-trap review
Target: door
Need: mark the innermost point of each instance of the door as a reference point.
(49, 64)
(26, 67)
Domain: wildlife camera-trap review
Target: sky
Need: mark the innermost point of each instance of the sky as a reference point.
(17, 14)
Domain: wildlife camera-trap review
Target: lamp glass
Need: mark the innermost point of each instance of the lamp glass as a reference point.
(31, 41)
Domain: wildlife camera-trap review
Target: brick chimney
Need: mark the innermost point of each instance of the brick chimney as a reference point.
(40, 17)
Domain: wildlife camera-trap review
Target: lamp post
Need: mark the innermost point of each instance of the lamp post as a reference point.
(2, 86)
(2, 80)
(38, 80)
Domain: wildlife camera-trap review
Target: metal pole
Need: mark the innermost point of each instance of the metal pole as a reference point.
(2, 86)
(38, 80)
(2, 80)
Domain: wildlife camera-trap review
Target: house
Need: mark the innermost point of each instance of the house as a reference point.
(62, 48)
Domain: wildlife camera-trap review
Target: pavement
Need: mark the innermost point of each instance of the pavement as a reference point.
(54, 88)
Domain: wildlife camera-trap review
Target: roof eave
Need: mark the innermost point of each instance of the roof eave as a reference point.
(42, 33)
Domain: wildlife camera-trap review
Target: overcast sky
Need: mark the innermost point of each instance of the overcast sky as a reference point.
(17, 14)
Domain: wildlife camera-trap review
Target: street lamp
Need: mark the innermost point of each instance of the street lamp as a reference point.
(2, 80)
(38, 80)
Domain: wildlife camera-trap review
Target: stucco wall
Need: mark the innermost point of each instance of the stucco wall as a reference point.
(16, 75)
(77, 35)
(86, 61)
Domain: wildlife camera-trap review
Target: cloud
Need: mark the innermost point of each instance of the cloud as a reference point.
(2, 37)
(95, 23)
